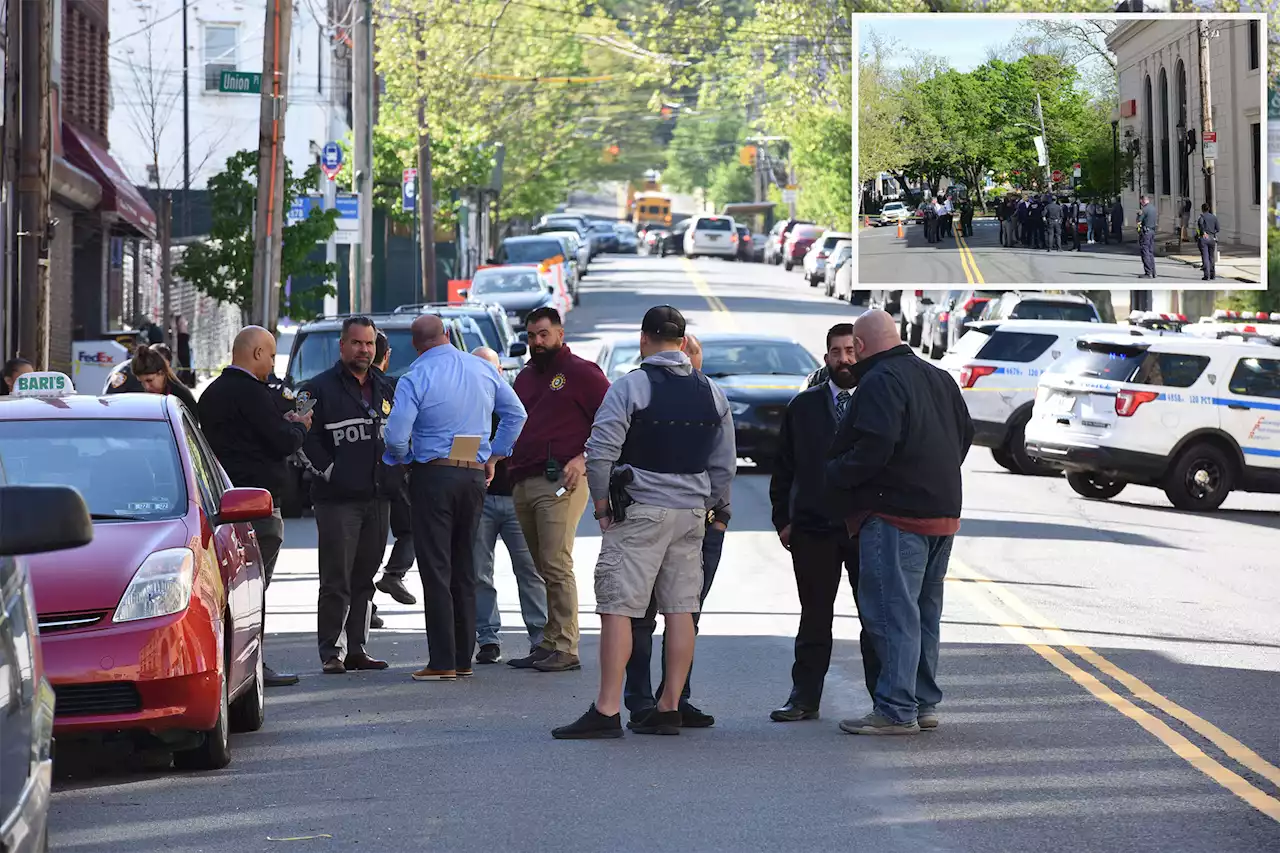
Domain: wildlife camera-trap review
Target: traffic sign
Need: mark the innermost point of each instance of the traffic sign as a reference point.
(240, 82)
(331, 159)
(789, 195)
(1075, 170)
(409, 190)
(1210, 141)
(1057, 174)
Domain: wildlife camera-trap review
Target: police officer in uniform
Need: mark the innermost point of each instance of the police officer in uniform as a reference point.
(343, 454)
(930, 222)
(123, 381)
(661, 455)
(1053, 218)
(966, 218)
(1207, 236)
(1147, 236)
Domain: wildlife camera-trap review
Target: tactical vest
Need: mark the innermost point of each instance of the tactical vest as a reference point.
(677, 431)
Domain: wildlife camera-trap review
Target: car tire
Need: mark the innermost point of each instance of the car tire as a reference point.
(788, 266)
(1200, 479)
(1093, 486)
(1003, 459)
(214, 752)
(1017, 446)
(249, 710)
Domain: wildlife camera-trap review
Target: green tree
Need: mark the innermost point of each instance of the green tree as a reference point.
(704, 139)
(730, 183)
(221, 266)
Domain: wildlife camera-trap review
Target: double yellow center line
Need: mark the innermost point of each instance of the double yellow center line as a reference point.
(971, 272)
(724, 318)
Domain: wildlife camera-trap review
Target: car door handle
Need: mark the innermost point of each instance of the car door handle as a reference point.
(1238, 406)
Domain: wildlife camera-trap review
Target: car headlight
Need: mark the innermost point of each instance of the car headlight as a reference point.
(160, 587)
(738, 407)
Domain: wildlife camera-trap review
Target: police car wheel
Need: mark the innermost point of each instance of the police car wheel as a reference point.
(1094, 486)
(1200, 479)
(1022, 461)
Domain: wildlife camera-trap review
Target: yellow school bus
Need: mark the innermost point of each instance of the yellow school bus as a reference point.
(651, 208)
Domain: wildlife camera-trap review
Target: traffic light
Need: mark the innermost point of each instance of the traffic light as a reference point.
(610, 154)
(747, 155)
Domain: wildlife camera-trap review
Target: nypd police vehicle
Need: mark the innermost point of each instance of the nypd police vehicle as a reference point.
(1196, 417)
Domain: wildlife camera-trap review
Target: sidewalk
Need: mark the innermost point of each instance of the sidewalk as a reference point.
(1236, 261)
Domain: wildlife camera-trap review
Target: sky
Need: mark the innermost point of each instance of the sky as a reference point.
(963, 44)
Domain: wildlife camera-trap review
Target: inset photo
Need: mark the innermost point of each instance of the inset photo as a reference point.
(1089, 152)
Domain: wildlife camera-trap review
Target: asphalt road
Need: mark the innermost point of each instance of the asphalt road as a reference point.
(1157, 729)
(884, 259)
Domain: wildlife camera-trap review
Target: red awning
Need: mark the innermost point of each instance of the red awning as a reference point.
(118, 194)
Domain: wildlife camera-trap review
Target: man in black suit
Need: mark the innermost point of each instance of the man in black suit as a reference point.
(815, 535)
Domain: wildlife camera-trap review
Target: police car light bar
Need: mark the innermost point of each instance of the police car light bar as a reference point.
(1236, 316)
(48, 383)
(1138, 317)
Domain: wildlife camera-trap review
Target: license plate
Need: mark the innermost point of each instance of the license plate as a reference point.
(1062, 404)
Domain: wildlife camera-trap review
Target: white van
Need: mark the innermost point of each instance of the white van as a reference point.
(712, 235)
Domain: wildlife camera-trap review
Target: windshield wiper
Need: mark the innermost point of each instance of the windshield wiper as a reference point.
(720, 375)
(109, 516)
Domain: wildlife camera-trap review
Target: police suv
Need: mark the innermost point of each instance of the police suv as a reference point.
(1194, 415)
(998, 365)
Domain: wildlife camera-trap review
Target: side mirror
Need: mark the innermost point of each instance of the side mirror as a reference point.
(244, 505)
(523, 337)
(510, 364)
(491, 261)
(464, 293)
(518, 348)
(37, 519)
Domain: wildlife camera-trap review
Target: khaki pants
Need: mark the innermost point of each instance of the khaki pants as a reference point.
(550, 525)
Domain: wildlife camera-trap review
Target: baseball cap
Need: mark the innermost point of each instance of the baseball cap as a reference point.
(663, 321)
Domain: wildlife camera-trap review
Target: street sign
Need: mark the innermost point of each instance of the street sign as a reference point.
(409, 190)
(348, 206)
(1042, 156)
(789, 195)
(1209, 139)
(240, 82)
(1057, 175)
(331, 159)
(1075, 170)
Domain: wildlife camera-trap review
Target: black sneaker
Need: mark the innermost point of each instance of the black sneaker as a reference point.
(638, 714)
(692, 717)
(657, 723)
(489, 653)
(589, 726)
(375, 621)
(536, 655)
(393, 585)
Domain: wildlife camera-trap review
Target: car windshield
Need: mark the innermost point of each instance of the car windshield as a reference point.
(126, 470)
(622, 360)
(740, 358)
(494, 282)
(318, 351)
(1029, 309)
(602, 227)
(529, 251)
(897, 205)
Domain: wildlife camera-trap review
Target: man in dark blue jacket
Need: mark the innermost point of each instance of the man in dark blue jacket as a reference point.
(343, 453)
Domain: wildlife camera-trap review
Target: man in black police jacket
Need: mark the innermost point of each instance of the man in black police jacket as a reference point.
(819, 545)
(252, 436)
(343, 454)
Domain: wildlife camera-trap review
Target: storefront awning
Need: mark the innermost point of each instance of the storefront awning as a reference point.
(119, 196)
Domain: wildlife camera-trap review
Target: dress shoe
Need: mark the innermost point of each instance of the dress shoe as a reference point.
(334, 666)
(558, 662)
(793, 713)
(271, 678)
(363, 661)
(429, 674)
(489, 653)
(375, 621)
(590, 726)
(539, 653)
(393, 586)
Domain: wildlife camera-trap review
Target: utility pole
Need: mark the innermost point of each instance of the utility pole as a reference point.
(33, 181)
(1206, 113)
(270, 211)
(362, 160)
(165, 229)
(425, 220)
(186, 128)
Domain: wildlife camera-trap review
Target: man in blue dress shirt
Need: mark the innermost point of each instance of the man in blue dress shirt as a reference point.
(446, 394)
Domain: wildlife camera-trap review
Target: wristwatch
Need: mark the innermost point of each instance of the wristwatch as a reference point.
(599, 515)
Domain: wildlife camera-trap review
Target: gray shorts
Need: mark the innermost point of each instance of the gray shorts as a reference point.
(654, 551)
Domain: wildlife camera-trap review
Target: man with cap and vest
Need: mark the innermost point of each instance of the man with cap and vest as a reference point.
(253, 429)
(1207, 236)
(1147, 236)
(343, 454)
(661, 455)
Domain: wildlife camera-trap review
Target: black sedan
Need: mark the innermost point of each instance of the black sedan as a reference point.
(759, 375)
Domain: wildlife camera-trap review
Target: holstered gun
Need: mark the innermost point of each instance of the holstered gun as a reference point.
(619, 500)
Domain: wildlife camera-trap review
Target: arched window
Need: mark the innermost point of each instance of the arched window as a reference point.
(1164, 134)
(1149, 185)
(1184, 159)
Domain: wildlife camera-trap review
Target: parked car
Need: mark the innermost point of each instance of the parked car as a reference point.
(894, 211)
(538, 249)
(607, 236)
(673, 242)
(711, 236)
(746, 244)
(517, 289)
(841, 255)
(580, 251)
(946, 321)
(653, 240)
(912, 306)
(776, 242)
(628, 240)
(1031, 305)
(799, 239)
(885, 300)
(33, 520)
(815, 260)
(153, 631)
(758, 374)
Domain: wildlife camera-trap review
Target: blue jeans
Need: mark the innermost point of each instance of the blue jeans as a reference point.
(638, 693)
(498, 518)
(900, 598)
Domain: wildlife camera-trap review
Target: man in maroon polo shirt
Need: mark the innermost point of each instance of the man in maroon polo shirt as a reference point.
(561, 393)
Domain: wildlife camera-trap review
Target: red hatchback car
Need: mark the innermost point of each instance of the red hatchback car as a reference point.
(798, 243)
(155, 628)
